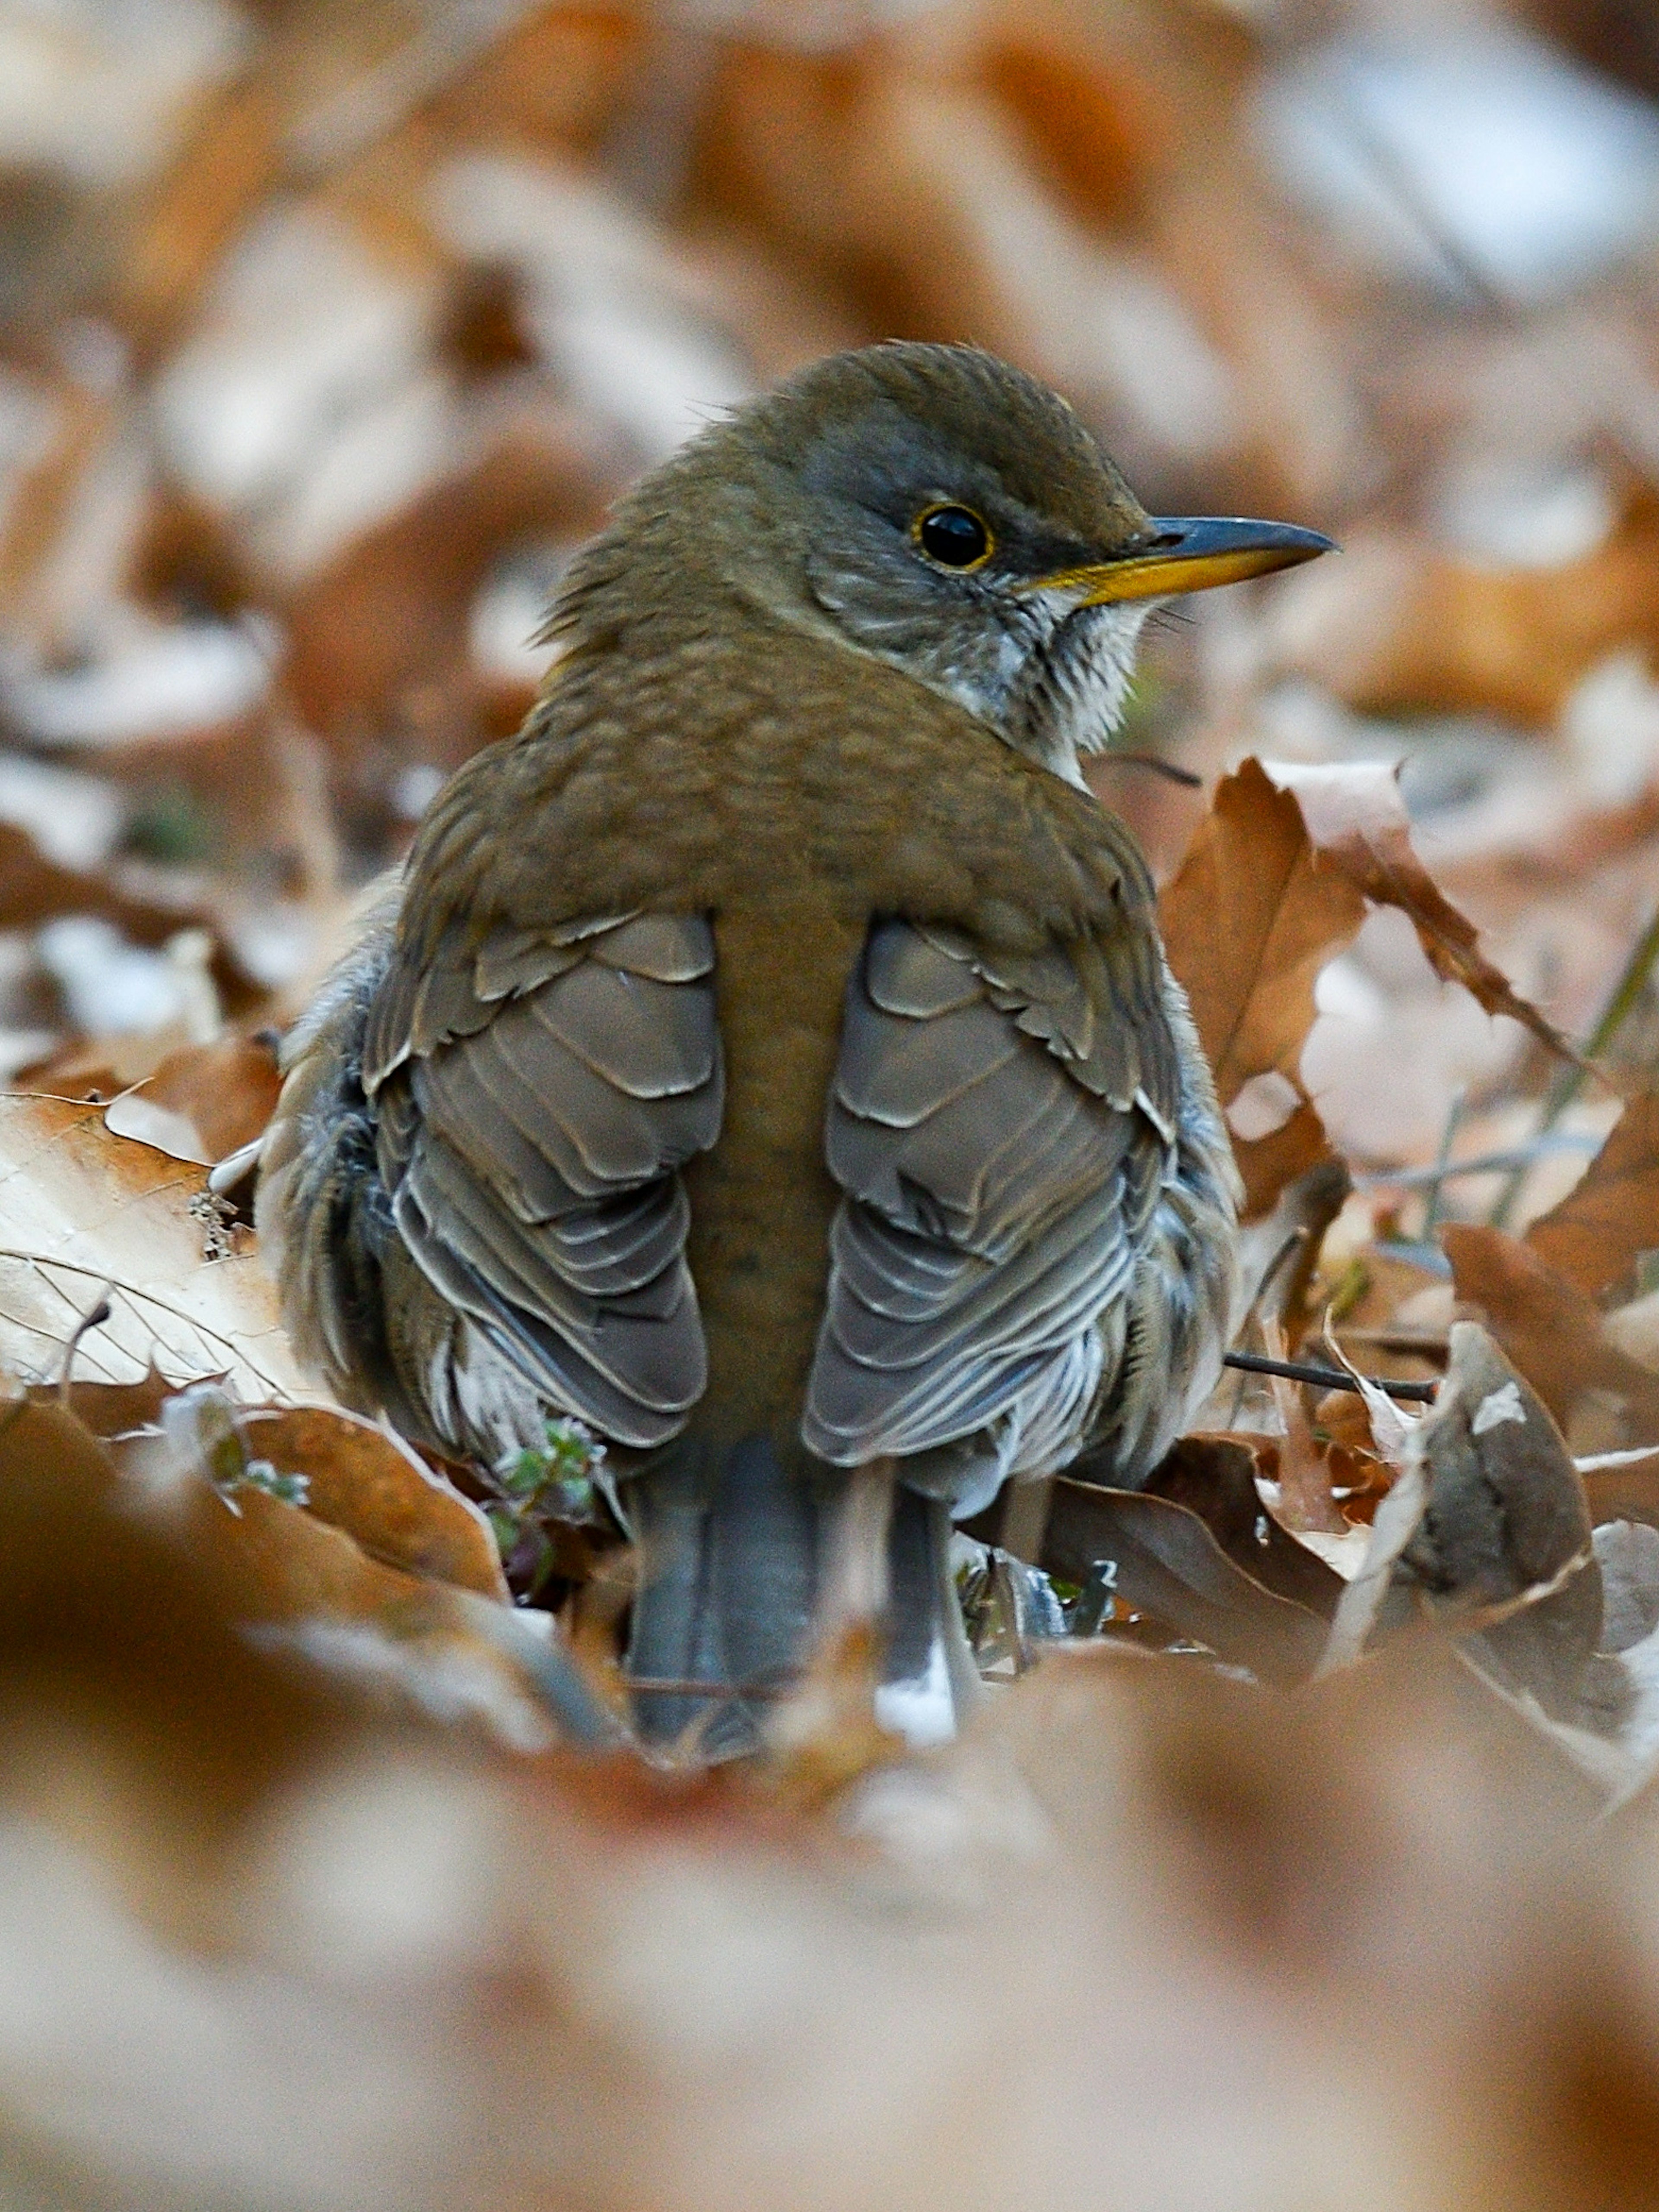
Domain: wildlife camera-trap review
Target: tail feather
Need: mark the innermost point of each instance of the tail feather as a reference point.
(730, 1572)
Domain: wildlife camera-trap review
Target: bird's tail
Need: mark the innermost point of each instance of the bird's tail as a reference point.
(734, 1570)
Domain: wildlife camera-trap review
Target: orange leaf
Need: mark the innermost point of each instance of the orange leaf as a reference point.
(1248, 921)
(1544, 1323)
(1268, 1163)
(203, 1103)
(1611, 1216)
(373, 1486)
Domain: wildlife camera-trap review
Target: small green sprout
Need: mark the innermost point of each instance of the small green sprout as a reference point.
(203, 1423)
(554, 1481)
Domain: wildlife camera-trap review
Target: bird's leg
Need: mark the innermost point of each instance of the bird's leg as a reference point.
(855, 1584)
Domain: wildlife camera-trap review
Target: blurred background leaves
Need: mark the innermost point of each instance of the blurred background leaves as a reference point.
(326, 333)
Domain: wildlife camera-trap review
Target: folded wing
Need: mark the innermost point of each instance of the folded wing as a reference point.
(535, 1095)
(1002, 1128)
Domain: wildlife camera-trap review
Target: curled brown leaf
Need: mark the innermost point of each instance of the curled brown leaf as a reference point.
(1611, 1217)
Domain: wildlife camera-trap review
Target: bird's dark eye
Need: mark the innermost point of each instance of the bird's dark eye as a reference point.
(953, 536)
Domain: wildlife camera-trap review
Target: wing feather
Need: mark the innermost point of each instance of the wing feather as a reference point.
(535, 1098)
(1000, 1169)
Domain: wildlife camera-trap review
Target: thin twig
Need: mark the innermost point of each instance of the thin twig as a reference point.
(1622, 1001)
(1328, 1378)
(1171, 770)
(1443, 1162)
(1516, 1155)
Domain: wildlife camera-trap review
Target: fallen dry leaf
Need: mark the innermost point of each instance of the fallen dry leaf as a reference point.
(1627, 1553)
(1099, 135)
(1276, 884)
(361, 1478)
(1547, 1326)
(380, 635)
(1358, 823)
(265, 1564)
(84, 1213)
(1215, 1477)
(1404, 625)
(1165, 1561)
(203, 1101)
(34, 889)
(1270, 1165)
(109, 1409)
(1628, 1493)
(825, 1734)
(1248, 921)
(1242, 1934)
(1596, 1236)
(232, 157)
(1505, 1518)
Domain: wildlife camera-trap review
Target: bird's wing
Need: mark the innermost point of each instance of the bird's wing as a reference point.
(1001, 1128)
(535, 1095)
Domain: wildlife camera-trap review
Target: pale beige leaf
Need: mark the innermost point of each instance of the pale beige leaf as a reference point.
(84, 1212)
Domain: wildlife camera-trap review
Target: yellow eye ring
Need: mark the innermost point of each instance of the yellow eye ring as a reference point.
(953, 537)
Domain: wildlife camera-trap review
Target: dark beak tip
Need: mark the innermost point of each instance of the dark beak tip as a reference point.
(1189, 534)
(1318, 544)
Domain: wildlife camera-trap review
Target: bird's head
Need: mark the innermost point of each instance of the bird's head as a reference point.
(935, 507)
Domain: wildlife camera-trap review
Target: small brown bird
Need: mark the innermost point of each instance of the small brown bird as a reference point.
(769, 1056)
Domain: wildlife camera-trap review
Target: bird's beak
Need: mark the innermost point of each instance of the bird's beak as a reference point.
(1189, 553)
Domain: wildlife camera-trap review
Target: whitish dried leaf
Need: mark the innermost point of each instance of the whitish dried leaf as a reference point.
(363, 1480)
(203, 1103)
(1627, 1552)
(85, 1214)
(1594, 1237)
